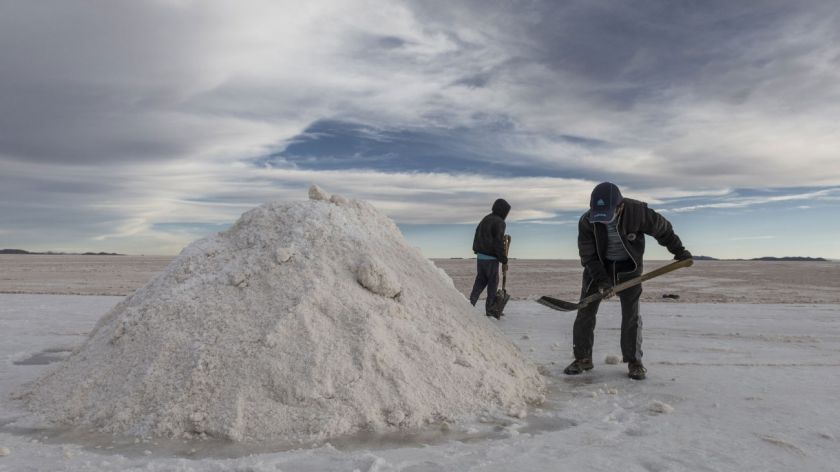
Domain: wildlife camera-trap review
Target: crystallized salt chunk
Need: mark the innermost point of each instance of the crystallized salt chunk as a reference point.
(374, 276)
(339, 200)
(316, 193)
(657, 406)
(282, 254)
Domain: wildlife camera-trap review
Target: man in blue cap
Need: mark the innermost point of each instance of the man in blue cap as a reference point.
(611, 243)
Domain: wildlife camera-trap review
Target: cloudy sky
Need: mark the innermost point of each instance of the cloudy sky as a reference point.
(139, 126)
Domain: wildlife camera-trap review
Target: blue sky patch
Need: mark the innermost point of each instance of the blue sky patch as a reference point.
(341, 145)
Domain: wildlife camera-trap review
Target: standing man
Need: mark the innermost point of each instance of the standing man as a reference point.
(489, 247)
(611, 243)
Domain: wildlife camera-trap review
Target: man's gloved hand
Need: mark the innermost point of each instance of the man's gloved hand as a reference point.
(604, 287)
(683, 255)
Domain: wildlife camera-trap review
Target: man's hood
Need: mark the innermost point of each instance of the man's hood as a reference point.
(501, 208)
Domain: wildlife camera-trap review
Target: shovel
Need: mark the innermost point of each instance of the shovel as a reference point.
(562, 305)
(502, 297)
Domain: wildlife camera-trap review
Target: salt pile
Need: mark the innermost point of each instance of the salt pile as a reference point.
(304, 320)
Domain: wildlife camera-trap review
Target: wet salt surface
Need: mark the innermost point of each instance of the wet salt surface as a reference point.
(47, 356)
(107, 444)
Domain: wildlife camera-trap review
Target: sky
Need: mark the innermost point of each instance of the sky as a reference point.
(137, 127)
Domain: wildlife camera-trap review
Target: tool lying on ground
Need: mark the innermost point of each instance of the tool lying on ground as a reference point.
(561, 305)
(502, 297)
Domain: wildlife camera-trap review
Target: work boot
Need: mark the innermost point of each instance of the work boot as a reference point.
(637, 370)
(579, 366)
(493, 314)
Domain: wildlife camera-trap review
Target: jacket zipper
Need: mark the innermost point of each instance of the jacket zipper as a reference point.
(621, 238)
(597, 253)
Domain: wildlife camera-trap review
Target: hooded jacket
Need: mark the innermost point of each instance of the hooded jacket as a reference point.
(490, 233)
(634, 222)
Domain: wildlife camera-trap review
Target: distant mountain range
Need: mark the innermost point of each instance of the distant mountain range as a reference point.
(54, 253)
(772, 259)
(696, 258)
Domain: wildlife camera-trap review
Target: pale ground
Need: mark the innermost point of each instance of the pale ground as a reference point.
(706, 281)
(77, 275)
(731, 387)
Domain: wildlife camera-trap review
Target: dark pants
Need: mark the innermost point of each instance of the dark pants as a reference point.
(631, 322)
(487, 276)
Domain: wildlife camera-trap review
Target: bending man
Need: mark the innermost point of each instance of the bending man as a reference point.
(611, 243)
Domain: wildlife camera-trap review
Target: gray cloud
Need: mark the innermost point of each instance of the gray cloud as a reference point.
(121, 116)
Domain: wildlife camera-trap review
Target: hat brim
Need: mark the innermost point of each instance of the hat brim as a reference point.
(601, 215)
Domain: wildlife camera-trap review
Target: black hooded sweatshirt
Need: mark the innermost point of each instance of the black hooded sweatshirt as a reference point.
(634, 223)
(490, 233)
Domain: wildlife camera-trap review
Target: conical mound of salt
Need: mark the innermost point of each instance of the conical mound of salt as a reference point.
(304, 320)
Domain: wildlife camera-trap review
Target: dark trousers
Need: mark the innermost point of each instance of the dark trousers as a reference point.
(631, 322)
(487, 276)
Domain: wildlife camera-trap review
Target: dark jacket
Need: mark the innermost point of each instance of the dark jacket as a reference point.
(634, 222)
(490, 233)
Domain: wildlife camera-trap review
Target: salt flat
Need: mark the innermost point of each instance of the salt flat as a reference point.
(748, 385)
(731, 387)
(77, 275)
(706, 281)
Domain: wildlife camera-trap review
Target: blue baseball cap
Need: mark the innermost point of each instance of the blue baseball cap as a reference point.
(605, 199)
